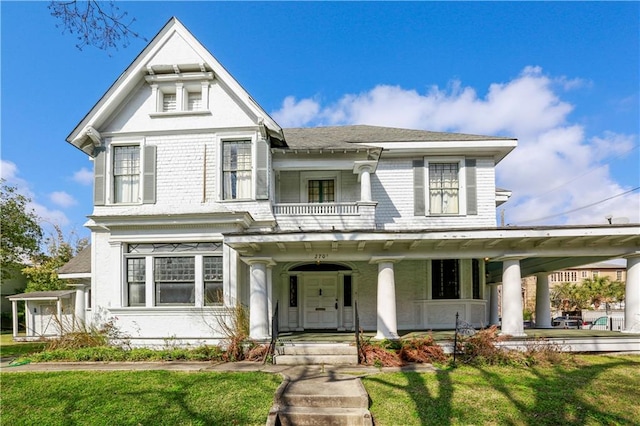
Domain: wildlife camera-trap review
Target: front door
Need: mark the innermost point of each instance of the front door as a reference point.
(320, 301)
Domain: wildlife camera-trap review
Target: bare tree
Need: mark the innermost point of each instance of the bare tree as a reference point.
(94, 23)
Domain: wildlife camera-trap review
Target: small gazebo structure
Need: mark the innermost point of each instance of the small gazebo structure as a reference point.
(47, 313)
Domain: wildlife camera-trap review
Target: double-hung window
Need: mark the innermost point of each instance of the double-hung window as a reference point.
(213, 290)
(236, 170)
(126, 174)
(322, 191)
(444, 188)
(136, 281)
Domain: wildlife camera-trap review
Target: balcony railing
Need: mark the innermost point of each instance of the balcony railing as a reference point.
(316, 209)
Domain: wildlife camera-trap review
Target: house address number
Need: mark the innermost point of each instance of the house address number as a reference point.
(320, 256)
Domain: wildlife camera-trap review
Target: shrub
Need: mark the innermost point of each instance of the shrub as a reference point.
(379, 354)
(483, 349)
(422, 350)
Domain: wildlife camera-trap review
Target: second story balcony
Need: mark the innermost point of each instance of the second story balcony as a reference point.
(325, 216)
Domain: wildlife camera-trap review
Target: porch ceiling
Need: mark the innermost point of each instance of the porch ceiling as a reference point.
(540, 249)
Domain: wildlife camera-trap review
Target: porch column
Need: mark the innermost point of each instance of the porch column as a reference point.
(387, 323)
(61, 324)
(494, 313)
(543, 301)
(364, 170)
(632, 295)
(258, 298)
(14, 312)
(512, 318)
(79, 305)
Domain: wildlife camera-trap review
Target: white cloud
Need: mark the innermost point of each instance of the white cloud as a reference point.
(295, 114)
(11, 173)
(83, 176)
(556, 167)
(62, 199)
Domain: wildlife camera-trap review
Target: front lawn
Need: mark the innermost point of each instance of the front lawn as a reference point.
(599, 390)
(136, 398)
(9, 348)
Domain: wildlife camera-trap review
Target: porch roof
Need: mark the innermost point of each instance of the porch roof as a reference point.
(540, 249)
(42, 295)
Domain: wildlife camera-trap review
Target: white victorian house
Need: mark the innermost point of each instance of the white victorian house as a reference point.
(203, 201)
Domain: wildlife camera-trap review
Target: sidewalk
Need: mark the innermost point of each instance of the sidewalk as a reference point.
(194, 366)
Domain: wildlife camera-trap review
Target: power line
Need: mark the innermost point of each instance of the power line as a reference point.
(581, 208)
(586, 172)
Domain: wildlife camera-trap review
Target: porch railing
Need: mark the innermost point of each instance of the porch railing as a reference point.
(316, 209)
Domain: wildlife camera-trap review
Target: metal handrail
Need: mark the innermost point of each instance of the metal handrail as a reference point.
(274, 334)
(357, 323)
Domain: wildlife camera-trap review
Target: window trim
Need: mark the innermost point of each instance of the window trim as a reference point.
(150, 284)
(235, 137)
(462, 185)
(305, 177)
(110, 172)
(181, 89)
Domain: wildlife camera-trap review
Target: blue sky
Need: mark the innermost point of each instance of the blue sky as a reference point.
(563, 78)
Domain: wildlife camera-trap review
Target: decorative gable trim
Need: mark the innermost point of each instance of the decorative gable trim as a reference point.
(118, 92)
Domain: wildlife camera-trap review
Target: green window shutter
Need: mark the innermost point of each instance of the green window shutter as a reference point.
(472, 192)
(418, 188)
(149, 178)
(99, 182)
(262, 170)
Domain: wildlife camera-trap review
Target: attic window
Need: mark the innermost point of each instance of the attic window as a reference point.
(169, 102)
(179, 93)
(194, 101)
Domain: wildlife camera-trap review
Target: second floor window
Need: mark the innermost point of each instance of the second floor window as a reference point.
(322, 191)
(126, 174)
(236, 170)
(444, 188)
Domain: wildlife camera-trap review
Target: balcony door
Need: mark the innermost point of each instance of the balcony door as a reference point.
(320, 301)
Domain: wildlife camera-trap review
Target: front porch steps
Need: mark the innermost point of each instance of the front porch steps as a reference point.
(315, 353)
(311, 396)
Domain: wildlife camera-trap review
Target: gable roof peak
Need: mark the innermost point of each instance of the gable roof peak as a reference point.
(152, 54)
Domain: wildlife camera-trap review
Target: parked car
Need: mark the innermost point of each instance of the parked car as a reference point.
(609, 323)
(567, 322)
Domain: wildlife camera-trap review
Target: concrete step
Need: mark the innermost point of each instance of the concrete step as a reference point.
(317, 349)
(325, 401)
(303, 416)
(316, 359)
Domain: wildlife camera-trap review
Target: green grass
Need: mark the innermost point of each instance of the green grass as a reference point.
(600, 390)
(136, 398)
(9, 348)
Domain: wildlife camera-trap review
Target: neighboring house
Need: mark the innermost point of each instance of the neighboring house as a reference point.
(15, 283)
(615, 271)
(202, 201)
(51, 313)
